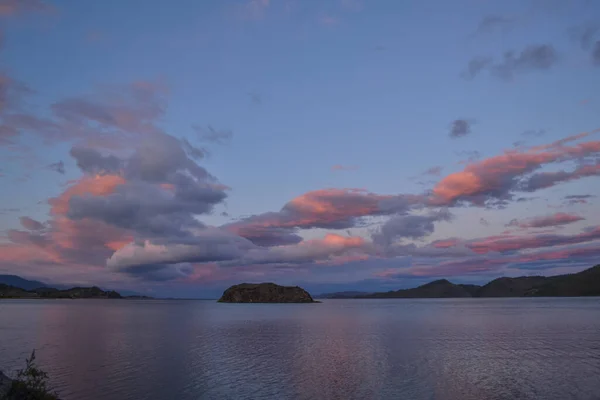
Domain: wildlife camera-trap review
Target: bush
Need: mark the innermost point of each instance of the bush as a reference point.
(31, 383)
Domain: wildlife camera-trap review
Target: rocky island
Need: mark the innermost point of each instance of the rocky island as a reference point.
(265, 293)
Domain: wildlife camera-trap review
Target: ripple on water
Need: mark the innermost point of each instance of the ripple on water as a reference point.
(340, 349)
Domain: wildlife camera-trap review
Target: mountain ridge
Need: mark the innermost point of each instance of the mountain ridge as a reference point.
(17, 281)
(584, 283)
(94, 292)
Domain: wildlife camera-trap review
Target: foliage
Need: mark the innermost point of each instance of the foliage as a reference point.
(31, 383)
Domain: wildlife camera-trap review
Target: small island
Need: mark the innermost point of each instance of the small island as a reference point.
(265, 293)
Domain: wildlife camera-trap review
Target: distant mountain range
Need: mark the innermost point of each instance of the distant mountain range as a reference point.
(584, 283)
(14, 286)
(17, 281)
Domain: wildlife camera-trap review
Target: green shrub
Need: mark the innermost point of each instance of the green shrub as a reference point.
(31, 383)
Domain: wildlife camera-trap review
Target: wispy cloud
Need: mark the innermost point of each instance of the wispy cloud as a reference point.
(539, 57)
(545, 221)
(58, 167)
(490, 23)
(534, 132)
(434, 171)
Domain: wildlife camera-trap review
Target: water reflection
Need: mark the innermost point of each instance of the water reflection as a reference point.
(413, 349)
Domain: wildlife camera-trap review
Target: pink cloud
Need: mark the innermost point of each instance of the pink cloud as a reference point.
(332, 245)
(514, 243)
(496, 177)
(546, 221)
(325, 208)
(444, 244)
(445, 269)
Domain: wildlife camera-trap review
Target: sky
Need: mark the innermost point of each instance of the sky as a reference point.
(177, 148)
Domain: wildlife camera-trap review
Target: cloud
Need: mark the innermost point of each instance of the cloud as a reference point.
(496, 178)
(532, 58)
(596, 54)
(160, 190)
(444, 269)
(585, 34)
(544, 180)
(435, 171)
(475, 66)
(408, 226)
(577, 199)
(12, 93)
(266, 235)
(304, 252)
(116, 114)
(91, 161)
(144, 190)
(484, 221)
(116, 118)
(576, 256)
(12, 7)
(228, 250)
(212, 135)
(13, 120)
(534, 132)
(459, 128)
(326, 208)
(58, 167)
(509, 243)
(206, 245)
(557, 219)
(472, 155)
(490, 23)
(31, 224)
(339, 167)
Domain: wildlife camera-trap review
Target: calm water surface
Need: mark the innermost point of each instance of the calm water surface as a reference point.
(340, 349)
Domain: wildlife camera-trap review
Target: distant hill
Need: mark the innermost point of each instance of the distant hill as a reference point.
(94, 292)
(341, 295)
(584, 283)
(17, 281)
(437, 289)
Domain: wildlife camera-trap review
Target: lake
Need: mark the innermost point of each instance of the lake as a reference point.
(449, 349)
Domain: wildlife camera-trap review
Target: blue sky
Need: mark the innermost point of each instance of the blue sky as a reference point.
(302, 86)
